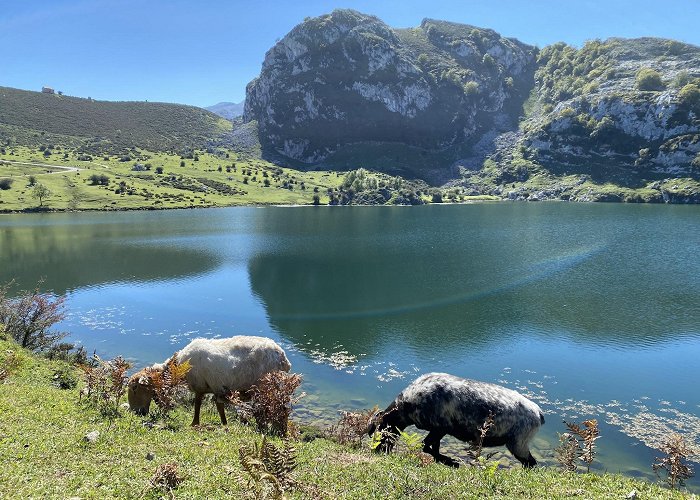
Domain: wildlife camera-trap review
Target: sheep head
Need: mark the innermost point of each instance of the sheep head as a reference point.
(141, 391)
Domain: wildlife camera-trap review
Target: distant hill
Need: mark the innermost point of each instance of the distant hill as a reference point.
(228, 110)
(30, 118)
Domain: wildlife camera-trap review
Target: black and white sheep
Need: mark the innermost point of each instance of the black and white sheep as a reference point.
(218, 366)
(444, 404)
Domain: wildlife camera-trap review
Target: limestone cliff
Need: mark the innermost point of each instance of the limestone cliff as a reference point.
(451, 103)
(347, 79)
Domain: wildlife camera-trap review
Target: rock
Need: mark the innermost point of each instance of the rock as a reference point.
(632, 495)
(92, 436)
(150, 456)
(347, 78)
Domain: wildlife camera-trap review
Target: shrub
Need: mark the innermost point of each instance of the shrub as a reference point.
(674, 463)
(159, 170)
(29, 317)
(272, 400)
(9, 364)
(32, 180)
(65, 378)
(690, 96)
(471, 88)
(101, 180)
(105, 384)
(351, 428)
(649, 79)
(6, 184)
(316, 199)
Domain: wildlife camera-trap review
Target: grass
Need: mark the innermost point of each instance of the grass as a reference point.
(115, 126)
(45, 456)
(196, 184)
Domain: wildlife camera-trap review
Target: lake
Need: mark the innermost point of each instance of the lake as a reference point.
(592, 310)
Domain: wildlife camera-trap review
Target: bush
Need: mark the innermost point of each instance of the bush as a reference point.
(690, 96)
(101, 180)
(105, 384)
(6, 184)
(29, 317)
(649, 79)
(159, 170)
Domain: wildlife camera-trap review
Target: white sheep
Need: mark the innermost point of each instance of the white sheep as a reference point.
(444, 404)
(218, 366)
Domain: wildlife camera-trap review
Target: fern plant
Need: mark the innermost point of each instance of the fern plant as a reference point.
(674, 463)
(268, 469)
(586, 437)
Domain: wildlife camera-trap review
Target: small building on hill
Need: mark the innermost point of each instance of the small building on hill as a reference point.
(48, 90)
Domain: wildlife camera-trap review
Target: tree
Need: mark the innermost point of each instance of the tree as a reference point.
(649, 79)
(159, 170)
(32, 180)
(6, 184)
(40, 192)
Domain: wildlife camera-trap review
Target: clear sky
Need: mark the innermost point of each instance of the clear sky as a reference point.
(201, 52)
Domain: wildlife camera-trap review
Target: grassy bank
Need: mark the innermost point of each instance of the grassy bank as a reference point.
(45, 455)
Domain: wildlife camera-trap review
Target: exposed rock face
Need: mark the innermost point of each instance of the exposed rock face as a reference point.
(347, 78)
(447, 103)
(590, 107)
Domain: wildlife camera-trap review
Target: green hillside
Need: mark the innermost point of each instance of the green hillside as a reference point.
(104, 127)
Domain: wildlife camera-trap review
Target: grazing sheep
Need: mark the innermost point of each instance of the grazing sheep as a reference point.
(218, 366)
(444, 404)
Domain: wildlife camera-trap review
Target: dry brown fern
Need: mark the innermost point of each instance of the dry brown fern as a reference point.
(587, 436)
(271, 402)
(674, 463)
(166, 477)
(351, 428)
(568, 451)
(474, 452)
(105, 384)
(167, 382)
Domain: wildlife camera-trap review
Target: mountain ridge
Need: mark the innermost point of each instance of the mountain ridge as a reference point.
(460, 104)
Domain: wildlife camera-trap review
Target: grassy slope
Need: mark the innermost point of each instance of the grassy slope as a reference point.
(72, 190)
(44, 455)
(115, 125)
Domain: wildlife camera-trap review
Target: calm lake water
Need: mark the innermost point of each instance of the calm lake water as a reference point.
(591, 310)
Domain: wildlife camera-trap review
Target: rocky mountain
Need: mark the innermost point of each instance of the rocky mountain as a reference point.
(621, 112)
(228, 110)
(615, 119)
(347, 80)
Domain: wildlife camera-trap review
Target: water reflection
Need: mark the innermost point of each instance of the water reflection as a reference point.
(72, 254)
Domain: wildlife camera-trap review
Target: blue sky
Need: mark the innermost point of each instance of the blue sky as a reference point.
(203, 52)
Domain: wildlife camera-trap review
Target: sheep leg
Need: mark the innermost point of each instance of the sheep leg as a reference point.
(522, 453)
(197, 407)
(222, 413)
(431, 446)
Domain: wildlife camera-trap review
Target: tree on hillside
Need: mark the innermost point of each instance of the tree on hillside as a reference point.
(40, 192)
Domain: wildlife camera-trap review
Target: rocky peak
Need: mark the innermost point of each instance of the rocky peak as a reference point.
(347, 78)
